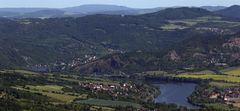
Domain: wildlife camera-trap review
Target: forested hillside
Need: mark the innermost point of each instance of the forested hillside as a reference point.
(200, 52)
(233, 11)
(70, 42)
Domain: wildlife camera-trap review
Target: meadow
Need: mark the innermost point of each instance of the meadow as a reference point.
(222, 85)
(49, 88)
(187, 23)
(109, 103)
(235, 71)
(55, 96)
(211, 75)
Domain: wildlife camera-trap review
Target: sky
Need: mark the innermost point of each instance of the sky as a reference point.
(128, 3)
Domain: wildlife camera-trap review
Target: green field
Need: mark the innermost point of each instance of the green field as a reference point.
(24, 72)
(156, 74)
(92, 80)
(232, 71)
(221, 107)
(59, 97)
(222, 84)
(210, 75)
(206, 19)
(49, 88)
(109, 103)
(96, 108)
(186, 22)
(172, 27)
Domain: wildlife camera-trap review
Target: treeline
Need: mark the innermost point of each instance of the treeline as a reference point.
(174, 79)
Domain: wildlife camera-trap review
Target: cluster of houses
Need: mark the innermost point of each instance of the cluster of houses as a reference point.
(110, 50)
(84, 60)
(228, 95)
(215, 30)
(121, 90)
(114, 89)
(59, 66)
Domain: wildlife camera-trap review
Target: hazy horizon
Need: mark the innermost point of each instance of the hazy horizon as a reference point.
(131, 4)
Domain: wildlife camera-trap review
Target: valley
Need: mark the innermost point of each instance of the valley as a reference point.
(138, 91)
(163, 59)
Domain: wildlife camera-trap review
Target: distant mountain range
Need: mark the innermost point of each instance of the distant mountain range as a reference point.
(213, 8)
(233, 11)
(83, 10)
(72, 11)
(86, 9)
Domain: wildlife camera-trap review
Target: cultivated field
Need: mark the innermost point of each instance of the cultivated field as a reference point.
(232, 71)
(59, 96)
(210, 75)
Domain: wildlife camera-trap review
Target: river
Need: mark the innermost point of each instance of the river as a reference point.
(176, 93)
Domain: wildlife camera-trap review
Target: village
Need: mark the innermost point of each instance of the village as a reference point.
(126, 90)
(215, 30)
(229, 95)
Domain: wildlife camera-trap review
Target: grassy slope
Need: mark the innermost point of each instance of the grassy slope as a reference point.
(65, 98)
(223, 85)
(210, 75)
(232, 71)
(46, 87)
(109, 103)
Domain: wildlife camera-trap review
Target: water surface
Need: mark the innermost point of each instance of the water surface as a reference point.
(176, 93)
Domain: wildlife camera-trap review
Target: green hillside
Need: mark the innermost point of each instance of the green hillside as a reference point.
(66, 43)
